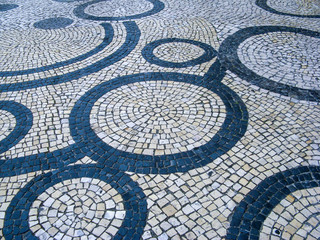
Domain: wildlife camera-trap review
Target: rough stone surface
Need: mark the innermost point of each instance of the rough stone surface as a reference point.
(159, 119)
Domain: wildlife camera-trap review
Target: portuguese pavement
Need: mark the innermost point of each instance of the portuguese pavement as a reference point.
(160, 119)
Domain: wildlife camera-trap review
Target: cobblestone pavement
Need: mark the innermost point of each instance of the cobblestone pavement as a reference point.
(160, 119)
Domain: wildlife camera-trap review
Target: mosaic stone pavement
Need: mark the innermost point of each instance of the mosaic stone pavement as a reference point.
(160, 119)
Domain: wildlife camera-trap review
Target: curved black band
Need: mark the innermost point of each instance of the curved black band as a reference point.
(132, 38)
(147, 53)
(106, 41)
(251, 212)
(263, 4)
(16, 224)
(231, 131)
(24, 121)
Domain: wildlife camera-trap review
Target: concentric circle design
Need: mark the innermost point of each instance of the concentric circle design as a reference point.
(75, 201)
(75, 207)
(7, 7)
(269, 202)
(288, 58)
(294, 8)
(158, 117)
(16, 122)
(53, 23)
(287, 222)
(7, 124)
(118, 10)
(178, 53)
(298, 81)
(160, 100)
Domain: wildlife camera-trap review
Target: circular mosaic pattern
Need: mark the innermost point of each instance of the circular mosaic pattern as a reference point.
(295, 8)
(84, 201)
(295, 217)
(75, 207)
(267, 206)
(16, 121)
(118, 10)
(7, 124)
(7, 7)
(178, 53)
(288, 58)
(179, 132)
(282, 61)
(158, 117)
(53, 23)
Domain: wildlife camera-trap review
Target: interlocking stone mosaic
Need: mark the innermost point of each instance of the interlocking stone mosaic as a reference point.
(159, 119)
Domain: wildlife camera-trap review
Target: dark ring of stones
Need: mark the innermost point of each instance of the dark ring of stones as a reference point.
(147, 53)
(132, 38)
(233, 128)
(24, 121)
(16, 218)
(53, 23)
(264, 5)
(109, 33)
(80, 12)
(7, 7)
(253, 210)
(63, 157)
(229, 59)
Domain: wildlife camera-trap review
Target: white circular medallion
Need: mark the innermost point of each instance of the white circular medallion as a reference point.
(157, 117)
(81, 207)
